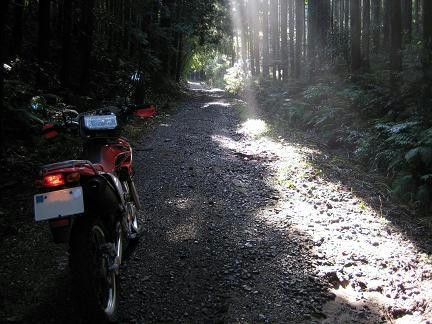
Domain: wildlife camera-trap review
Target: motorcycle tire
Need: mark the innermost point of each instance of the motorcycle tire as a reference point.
(96, 288)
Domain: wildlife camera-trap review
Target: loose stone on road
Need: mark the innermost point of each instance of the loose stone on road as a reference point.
(243, 227)
(243, 224)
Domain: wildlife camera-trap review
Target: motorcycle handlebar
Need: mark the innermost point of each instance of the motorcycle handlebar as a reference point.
(73, 123)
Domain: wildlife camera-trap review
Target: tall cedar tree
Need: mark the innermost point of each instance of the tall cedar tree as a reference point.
(366, 32)
(66, 43)
(376, 32)
(299, 36)
(407, 6)
(312, 31)
(43, 39)
(274, 23)
(386, 24)
(417, 16)
(347, 14)
(244, 43)
(251, 36)
(255, 15)
(396, 43)
(427, 39)
(284, 38)
(265, 29)
(355, 36)
(291, 34)
(4, 5)
(86, 42)
(17, 32)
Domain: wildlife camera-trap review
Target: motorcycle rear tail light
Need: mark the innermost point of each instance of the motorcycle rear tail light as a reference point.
(73, 177)
(54, 180)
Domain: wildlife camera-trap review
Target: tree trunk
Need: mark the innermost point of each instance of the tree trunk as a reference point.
(86, 42)
(284, 39)
(274, 35)
(291, 33)
(376, 16)
(251, 36)
(427, 39)
(417, 16)
(407, 19)
(427, 24)
(233, 50)
(347, 14)
(243, 31)
(366, 32)
(17, 35)
(4, 5)
(179, 60)
(299, 36)
(256, 16)
(386, 27)
(66, 42)
(396, 43)
(265, 29)
(313, 36)
(43, 39)
(355, 36)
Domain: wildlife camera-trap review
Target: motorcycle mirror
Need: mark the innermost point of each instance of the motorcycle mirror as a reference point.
(38, 103)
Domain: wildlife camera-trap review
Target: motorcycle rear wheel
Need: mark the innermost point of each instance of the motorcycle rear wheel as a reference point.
(96, 287)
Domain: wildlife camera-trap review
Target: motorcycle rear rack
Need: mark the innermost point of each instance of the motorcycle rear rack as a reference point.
(67, 164)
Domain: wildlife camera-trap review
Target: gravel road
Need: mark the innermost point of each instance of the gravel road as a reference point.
(240, 228)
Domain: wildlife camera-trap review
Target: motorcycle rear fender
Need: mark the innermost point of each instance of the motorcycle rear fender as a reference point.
(103, 195)
(60, 233)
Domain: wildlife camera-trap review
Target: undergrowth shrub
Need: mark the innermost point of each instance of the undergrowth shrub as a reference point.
(363, 117)
(235, 79)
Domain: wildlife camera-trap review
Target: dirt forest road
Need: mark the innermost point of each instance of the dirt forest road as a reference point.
(240, 228)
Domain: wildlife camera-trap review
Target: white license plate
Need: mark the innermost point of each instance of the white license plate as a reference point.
(60, 203)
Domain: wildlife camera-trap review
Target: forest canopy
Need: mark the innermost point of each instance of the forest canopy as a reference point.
(356, 72)
(374, 57)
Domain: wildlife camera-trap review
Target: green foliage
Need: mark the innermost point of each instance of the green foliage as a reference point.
(421, 154)
(400, 148)
(235, 79)
(213, 63)
(317, 93)
(405, 187)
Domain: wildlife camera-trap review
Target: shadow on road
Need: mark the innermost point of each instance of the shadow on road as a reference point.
(218, 247)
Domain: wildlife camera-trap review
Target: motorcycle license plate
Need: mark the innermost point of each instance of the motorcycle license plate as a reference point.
(60, 203)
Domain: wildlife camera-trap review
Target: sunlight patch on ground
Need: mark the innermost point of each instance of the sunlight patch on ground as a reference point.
(182, 203)
(184, 231)
(254, 127)
(350, 239)
(225, 142)
(214, 90)
(217, 103)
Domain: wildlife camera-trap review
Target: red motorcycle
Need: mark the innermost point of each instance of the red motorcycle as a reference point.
(92, 205)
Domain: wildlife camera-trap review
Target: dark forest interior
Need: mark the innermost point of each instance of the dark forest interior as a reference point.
(349, 79)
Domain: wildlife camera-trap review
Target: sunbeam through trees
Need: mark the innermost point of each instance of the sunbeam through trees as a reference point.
(282, 150)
